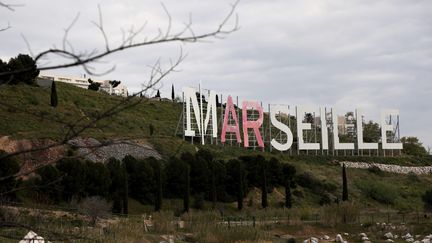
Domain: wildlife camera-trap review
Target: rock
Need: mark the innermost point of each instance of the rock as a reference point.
(311, 240)
(395, 236)
(416, 241)
(326, 237)
(346, 234)
(388, 235)
(409, 240)
(428, 237)
(362, 235)
(365, 238)
(389, 241)
(367, 242)
(426, 240)
(339, 238)
(408, 235)
(286, 236)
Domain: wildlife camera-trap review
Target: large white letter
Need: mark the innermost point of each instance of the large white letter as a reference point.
(337, 144)
(211, 107)
(324, 131)
(304, 126)
(385, 128)
(190, 96)
(360, 143)
(284, 128)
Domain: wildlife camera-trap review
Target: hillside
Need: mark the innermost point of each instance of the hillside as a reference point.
(25, 113)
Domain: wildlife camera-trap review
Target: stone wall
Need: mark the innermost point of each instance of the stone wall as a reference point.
(418, 170)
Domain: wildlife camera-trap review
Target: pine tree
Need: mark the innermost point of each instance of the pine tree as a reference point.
(288, 174)
(158, 199)
(213, 193)
(125, 192)
(158, 94)
(288, 198)
(54, 100)
(172, 93)
(344, 184)
(264, 202)
(240, 185)
(187, 189)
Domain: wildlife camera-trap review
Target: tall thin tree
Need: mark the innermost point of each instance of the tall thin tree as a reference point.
(187, 189)
(344, 184)
(172, 93)
(240, 185)
(264, 202)
(213, 192)
(54, 100)
(125, 192)
(159, 197)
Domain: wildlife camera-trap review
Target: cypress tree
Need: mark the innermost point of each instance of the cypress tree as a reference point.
(213, 184)
(172, 92)
(344, 185)
(217, 101)
(158, 199)
(54, 100)
(158, 94)
(288, 174)
(288, 199)
(240, 185)
(125, 193)
(264, 202)
(187, 189)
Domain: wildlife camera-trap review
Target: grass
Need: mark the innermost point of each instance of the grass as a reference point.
(26, 113)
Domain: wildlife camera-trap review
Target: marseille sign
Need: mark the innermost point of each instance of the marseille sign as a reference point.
(198, 124)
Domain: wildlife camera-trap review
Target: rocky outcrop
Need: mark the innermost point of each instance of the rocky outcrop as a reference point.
(96, 151)
(418, 170)
(36, 152)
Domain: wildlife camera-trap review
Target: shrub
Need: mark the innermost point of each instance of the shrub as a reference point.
(379, 191)
(375, 170)
(94, 207)
(427, 199)
(198, 202)
(345, 212)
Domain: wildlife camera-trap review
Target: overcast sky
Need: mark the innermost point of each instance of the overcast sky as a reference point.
(369, 54)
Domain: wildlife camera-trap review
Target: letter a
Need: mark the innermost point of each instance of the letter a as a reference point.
(230, 128)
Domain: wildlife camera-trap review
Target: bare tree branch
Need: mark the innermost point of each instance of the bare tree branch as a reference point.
(85, 58)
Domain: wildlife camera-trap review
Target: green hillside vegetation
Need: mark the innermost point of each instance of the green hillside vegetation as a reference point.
(26, 113)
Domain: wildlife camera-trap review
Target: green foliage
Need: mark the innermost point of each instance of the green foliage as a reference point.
(141, 179)
(49, 183)
(93, 85)
(114, 83)
(427, 199)
(379, 191)
(236, 181)
(3, 68)
(25, 67)
(344, 184)
(119, 186)
(371, 132)
(8, 167)
(413, 146)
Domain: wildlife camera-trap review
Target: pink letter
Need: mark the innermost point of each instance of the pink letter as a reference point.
(255, 125)
(230, 128)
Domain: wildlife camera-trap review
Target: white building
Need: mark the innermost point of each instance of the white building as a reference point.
(82, 82)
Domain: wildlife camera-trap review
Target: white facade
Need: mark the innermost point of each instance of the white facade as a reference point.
(82, 82)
